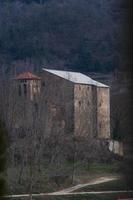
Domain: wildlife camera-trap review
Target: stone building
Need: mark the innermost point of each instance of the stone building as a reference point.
(74, 103)
(66, 102)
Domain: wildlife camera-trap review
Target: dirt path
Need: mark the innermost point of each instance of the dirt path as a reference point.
(93, 182)
(70, 191)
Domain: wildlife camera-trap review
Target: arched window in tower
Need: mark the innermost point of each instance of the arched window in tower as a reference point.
(25, 90)
(19, 90)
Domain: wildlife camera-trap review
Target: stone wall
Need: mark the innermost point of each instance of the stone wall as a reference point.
(85, 110)
(103, 112)
(56, 104)
(91, 111)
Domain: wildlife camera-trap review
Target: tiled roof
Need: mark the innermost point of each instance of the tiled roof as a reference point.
(27, 76)
(76, 77)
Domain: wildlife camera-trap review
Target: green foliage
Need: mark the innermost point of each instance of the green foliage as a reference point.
(115, 185)
(113, 167)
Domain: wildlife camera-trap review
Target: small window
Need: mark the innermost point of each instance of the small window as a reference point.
(79, 103)
(100, 125)
(101, 102)
(19, 90)
(25, 89)
(43, 84)
(36, 107)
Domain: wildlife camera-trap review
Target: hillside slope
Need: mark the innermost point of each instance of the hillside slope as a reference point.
(84, 35)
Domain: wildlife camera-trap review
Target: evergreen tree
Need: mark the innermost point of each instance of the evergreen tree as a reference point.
(3, 145)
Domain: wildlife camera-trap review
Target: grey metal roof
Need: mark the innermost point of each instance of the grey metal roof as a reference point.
(75, 77)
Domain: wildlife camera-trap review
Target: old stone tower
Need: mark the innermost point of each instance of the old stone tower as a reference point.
(74, 103)
(28, 85)
(27, 88)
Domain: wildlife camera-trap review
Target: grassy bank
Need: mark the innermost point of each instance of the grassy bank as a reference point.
(46, 180)
(114, 185)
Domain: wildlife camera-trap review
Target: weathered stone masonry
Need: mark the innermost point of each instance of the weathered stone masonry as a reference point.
(83, 108)
(69, 103)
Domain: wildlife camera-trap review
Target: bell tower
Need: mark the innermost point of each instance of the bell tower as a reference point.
(28, 85)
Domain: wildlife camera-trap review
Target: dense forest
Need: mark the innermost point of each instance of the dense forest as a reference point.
(84, 35)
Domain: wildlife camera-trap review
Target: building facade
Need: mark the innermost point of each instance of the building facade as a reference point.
(75, 102)
(68, 103)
